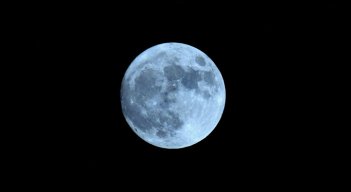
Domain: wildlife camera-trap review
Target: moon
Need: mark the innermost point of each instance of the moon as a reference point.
(172, 95)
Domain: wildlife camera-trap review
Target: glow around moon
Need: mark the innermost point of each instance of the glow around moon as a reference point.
(172, 95)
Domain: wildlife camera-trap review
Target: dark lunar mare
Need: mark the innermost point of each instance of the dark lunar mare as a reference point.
(209, 77)
(191, 79)
(200, 60)
(159, 117)
(173, 72)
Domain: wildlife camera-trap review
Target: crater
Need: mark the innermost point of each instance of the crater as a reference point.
(200, 60)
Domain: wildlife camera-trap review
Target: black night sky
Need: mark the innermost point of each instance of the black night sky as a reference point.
(260, 50)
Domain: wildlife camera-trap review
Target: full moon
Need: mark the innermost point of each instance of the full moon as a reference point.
(172, 95)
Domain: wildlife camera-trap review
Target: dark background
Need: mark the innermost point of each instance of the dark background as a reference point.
(265, 54)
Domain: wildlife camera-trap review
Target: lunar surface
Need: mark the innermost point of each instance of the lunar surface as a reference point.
(172, 95)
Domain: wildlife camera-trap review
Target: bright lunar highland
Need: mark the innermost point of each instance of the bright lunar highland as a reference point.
(172, 95)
